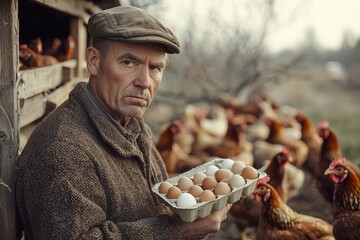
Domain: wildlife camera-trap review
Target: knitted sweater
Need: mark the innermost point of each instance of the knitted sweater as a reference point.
(79, 177)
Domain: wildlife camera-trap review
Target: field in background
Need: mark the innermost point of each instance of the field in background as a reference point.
(326, 100)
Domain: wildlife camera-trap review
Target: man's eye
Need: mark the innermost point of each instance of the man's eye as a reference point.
(155, 68)
(128, 62)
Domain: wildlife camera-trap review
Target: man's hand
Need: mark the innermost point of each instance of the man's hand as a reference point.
(202, 227)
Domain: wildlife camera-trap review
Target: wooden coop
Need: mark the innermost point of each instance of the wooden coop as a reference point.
(28, 92)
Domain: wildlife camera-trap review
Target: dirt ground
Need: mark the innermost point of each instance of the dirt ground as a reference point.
(309, 202)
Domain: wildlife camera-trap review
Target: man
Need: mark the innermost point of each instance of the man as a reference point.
(88, 169)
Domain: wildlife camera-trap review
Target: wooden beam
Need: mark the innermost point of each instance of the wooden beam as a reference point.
(72, 7)
(9, 129)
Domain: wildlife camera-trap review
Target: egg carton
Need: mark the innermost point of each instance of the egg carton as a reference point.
(203, 209)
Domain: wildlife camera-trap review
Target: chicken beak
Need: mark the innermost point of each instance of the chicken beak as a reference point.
(329, 171)
(291, 159)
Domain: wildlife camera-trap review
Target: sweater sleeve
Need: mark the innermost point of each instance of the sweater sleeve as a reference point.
(60, 196)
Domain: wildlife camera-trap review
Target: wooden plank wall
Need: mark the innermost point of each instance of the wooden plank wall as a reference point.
(9, 39)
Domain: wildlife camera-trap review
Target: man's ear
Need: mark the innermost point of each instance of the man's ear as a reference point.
(93, 60)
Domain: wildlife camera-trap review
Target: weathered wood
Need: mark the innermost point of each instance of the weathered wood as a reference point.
(78, 31)
(38, 80)
(32, 109)
(72, 7)
(9, 40)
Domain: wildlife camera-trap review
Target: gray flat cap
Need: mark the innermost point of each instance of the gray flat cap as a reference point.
(131, 24)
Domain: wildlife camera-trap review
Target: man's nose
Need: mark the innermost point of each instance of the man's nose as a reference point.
(143, 79)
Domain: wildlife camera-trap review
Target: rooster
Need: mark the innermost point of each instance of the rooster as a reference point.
(278, 221)
(247, 210)
(346, 200)
(297, 147)
(31, 59)
(312, 140)
(330, 150)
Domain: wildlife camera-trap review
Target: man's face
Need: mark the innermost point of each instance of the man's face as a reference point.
(128, 77)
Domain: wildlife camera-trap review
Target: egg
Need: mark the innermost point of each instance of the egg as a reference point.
(208, 183)
(184, 183)
(199, 177)
(249, 173)
(222, 188)
(195, 190)
(206, 196)
(237, 181)
(237, 167)
(173, 192)
(186, 200)
(211, 170)
(227, 164)
(164, 187)
(223, 174)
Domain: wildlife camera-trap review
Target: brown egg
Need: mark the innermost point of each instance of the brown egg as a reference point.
(206, 196)
(222, 174)
(208, 183)
(195, 190)
(199, 177)
(164, 187)
(173, 192)
(222, 188)
(237, 167)
(184, 183)
(249, 173)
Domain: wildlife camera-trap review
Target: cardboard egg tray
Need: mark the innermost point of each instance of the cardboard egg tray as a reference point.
(200, 210)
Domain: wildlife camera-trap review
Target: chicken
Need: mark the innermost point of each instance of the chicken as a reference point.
(66, 51)
(247, 210)
(346, 200)
(297, 147)
(312, 140)
(175, 158)
(330, 149)
(278, 221)
(61, 50)
(31, 59)
(215, 123)
(233, 145)
(36, 45)
(264, 151)
(165, 145)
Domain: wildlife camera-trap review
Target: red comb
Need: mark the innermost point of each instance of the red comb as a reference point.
(286, 151)
(263, 180)
(323, 124)
(336, 161)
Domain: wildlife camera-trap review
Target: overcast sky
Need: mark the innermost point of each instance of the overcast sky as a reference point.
(328, 18)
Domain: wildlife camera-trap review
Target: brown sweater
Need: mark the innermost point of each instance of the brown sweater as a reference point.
(79, 177)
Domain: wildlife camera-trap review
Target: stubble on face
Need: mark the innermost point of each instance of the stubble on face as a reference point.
(130, 75)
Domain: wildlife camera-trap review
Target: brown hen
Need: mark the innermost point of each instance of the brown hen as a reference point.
(247, 210)
(175, 158)
(312, 140)
(330, 149)
(31, 59)
(346, 200)
(297, 147)
(279, 222)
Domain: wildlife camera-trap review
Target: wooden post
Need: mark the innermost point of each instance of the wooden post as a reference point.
(9, 45)
(78, 30)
